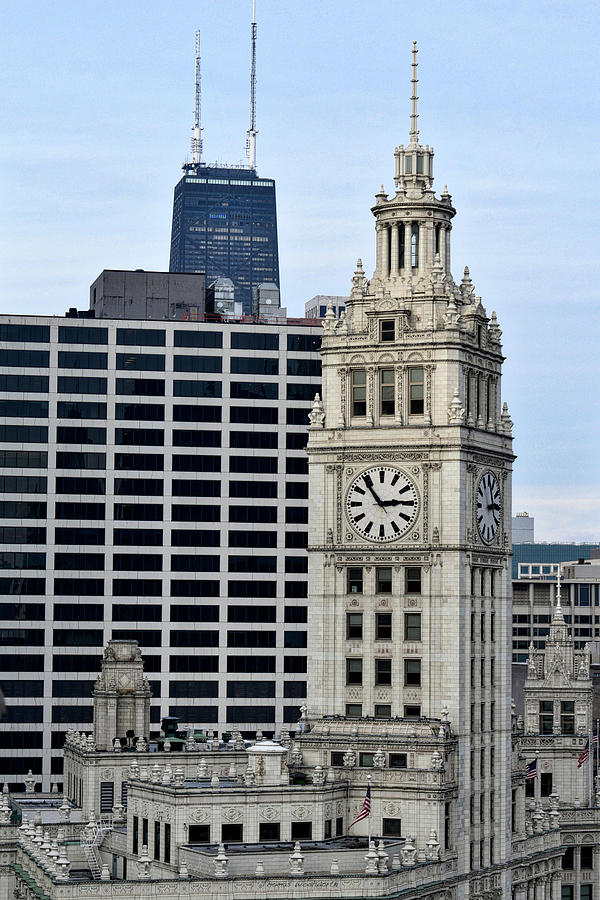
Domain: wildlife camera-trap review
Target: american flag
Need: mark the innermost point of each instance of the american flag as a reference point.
(584, 754)
(366, 808)
(531, 769)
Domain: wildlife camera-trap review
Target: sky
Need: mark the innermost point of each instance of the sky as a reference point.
(96, 116)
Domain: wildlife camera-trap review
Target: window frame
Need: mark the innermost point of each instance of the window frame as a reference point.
(358, 388)
(416, 404)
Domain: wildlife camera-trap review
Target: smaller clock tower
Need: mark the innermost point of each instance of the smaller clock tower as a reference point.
(410, 456)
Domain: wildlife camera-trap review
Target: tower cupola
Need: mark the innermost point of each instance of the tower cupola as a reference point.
(412, 226)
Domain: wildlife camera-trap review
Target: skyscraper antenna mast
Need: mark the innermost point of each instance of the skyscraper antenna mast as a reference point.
(252, 131)
(197, 128)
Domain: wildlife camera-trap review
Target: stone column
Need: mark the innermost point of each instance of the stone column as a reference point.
(521, 891)
(447, 248)
(379, 233)
(407, 246)
(429, 249)
(394, 267)
(343, 375)
(442, 247)
(399, 375)
(385, 251)
(555, 886)
(422, 246)
(428, 395)
(371, 389)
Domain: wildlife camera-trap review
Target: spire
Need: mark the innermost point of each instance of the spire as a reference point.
(197, 128)
(252, 131)
(558, 617)
(414, 131)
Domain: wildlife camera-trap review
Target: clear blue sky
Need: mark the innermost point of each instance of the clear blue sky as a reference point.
(97, 106)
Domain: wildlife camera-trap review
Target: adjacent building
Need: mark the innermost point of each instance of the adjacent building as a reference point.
(155, 488)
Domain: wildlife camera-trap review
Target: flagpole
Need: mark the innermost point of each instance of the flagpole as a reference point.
(537, 788)
(370, 812)
(591, 760)
(597, 751)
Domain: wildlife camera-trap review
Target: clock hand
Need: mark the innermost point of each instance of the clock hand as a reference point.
(369, 485)
(398, 503)
(493, 506)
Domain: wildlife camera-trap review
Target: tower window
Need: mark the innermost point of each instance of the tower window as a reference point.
(383, 671)
(383, 626)
(391, 828)
(412, 712)
(387, 384)
(545, 784)
(412, 626)
(354, 625)
(414, 245)
(355, 581)
(420, 164)
(412, 672)
(413, 579)
(354, 671)
(416, 391)
(546, 716)
(383, 711)
(353, 709)
(359, 392)
(388, 330)
(408, 165)
(567, 717)
(383, 576)
(438, 229)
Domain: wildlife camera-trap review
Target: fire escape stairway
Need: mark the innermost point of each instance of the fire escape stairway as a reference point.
(91, 837)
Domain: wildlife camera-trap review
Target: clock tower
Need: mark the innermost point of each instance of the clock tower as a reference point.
(410, 454)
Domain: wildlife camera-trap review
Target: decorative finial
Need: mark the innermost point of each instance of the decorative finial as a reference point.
(414, 131)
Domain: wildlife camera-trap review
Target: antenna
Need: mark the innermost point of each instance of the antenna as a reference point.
(197, 128)
(414, 131)
(252, 131)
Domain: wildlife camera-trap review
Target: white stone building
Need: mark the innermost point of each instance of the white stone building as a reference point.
(410, 626)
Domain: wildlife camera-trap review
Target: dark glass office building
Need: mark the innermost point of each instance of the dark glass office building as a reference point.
(225, 223)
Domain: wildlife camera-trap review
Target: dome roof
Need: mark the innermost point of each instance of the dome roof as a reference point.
(266, 747)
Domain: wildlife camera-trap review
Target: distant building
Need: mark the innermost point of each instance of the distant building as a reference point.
(225, 224)
(522, 528)
(534, 595)
(316, 307)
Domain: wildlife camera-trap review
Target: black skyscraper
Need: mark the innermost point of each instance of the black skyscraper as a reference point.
(225, 223)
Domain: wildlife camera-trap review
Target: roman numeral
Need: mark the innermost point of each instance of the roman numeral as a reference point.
(356, 503)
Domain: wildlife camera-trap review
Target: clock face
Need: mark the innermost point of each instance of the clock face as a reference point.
(382, 503)
(488, 507)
